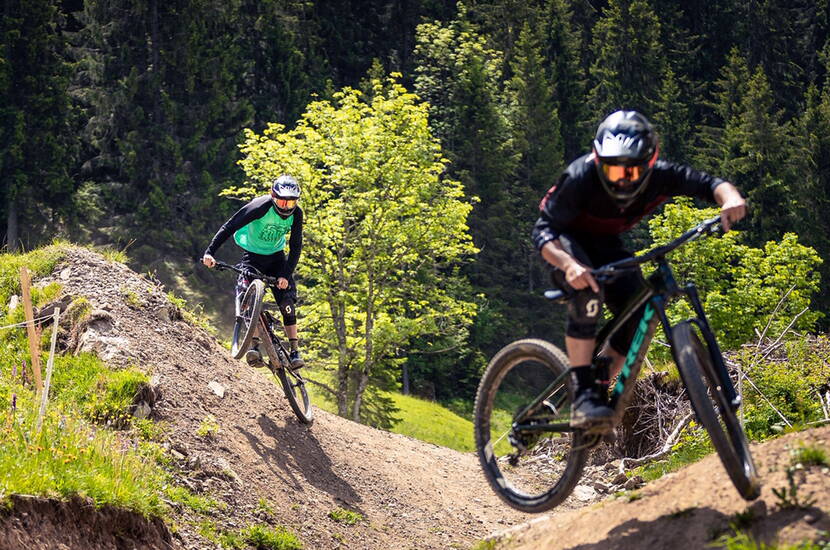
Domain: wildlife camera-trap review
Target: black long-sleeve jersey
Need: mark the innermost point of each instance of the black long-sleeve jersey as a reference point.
(254, 210)
(578, 203)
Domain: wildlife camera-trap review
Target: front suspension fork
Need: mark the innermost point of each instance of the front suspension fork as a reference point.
(713, 348)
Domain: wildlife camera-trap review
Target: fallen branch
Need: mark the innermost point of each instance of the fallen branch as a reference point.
(751, 383)
(774, 344)
(666, 449)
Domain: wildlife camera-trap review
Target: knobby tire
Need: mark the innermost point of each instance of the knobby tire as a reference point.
(556, 490)
(245, 328)
(293, 385)
(714, 411)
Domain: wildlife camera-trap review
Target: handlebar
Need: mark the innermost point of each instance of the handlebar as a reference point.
(250, 272)
(609, 271)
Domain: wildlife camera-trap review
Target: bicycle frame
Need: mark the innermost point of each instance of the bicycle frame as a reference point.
(660, 289)
(276, 352)
(265, 334)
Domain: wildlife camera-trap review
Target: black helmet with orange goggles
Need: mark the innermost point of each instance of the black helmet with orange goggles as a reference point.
(285, 191)
(625, 150)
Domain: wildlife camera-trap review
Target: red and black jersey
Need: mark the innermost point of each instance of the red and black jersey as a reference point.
(578, 204)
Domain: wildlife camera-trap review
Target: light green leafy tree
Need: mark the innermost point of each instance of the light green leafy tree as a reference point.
(384, 236)
(743, 289)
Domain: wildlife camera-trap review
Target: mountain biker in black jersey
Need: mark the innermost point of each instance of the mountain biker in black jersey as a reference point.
(597, 197)
(259, 228)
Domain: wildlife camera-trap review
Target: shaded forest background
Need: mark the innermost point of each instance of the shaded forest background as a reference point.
(120, 120)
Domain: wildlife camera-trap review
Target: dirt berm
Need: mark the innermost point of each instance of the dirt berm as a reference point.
(409, 494)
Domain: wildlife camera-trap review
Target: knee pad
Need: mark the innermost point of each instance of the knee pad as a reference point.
(584, 311)
(289, 313)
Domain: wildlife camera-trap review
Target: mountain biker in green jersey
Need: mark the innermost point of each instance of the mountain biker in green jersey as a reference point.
(260, 228)
(598, 197)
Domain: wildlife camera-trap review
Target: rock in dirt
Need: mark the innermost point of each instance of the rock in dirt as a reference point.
(217, 388)
(584, 493)
(619, 479)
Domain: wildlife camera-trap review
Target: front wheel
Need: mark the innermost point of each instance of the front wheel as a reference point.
(530, 455)
(714, 410)
(245, 326)
(294, 386)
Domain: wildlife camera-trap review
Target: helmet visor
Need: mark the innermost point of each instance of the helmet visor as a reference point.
(622, 176)
(285, 204)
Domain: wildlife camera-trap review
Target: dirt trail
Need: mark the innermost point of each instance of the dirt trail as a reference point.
(410, 494)
(692, 508)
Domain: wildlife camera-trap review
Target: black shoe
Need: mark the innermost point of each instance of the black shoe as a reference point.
(254, 358)
(590, 411)
(296, 361)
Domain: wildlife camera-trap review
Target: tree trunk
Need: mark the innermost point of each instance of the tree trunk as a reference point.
(405, 379)
(362, 384)
(338, 315)
(369, 347)
(11, 227)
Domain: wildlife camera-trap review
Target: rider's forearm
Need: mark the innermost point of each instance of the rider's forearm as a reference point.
(295, 244)
(553, 253)
(726, 191)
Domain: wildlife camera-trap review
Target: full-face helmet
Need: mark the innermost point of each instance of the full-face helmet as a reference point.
(625, 150)
(285, 191)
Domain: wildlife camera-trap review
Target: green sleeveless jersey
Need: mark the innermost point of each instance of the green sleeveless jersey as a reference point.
(265, 235)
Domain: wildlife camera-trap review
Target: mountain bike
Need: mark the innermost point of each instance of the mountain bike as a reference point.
(255, 325)
(531, 455)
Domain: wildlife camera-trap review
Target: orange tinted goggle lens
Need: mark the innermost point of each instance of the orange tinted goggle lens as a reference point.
(618, 172)
(286, 203)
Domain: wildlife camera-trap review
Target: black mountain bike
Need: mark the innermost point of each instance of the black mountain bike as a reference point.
(531, 455)
(257, 326)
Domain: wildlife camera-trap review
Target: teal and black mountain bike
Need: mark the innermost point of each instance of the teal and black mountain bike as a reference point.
(256, 326)
(531, 455)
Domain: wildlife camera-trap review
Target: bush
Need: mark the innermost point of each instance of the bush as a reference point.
(740, 286)
(787, 381)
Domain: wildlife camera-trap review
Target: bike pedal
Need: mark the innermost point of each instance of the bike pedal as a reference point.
(603, 428)
(254, 359)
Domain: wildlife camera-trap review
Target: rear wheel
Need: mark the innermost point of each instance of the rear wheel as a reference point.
(714, 411)
(294, 386)
(526, 386)
(245, 326)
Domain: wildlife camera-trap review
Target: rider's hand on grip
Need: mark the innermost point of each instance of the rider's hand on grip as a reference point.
(209, 260)
(579, 277)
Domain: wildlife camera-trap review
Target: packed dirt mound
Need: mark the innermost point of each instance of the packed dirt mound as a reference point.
(76, 525)
(694, 507)
(409, 494)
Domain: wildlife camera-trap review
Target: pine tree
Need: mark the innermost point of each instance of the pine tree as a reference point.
(628, 61)
(671, 117)
(162, 99)
(534, 116)
(812, 191)
(759, 161)
(36, 147)
(562, 47)
(279, 60)
(784, 37)
(538, 141)
(714, 150)
(458, 75)
(697, 36)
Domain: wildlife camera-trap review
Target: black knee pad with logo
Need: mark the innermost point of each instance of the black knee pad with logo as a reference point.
(584, 313)
(289, 312)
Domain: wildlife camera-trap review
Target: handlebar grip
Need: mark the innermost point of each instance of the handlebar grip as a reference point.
(554, 294)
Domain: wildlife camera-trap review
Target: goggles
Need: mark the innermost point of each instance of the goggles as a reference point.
(285, 204)
(622, 175)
